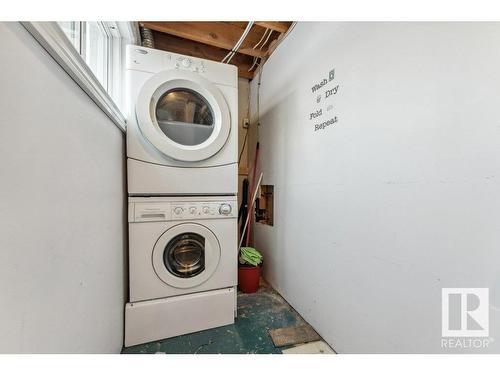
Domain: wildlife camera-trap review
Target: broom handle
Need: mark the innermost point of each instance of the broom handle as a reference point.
(254, 186)
(251, 207)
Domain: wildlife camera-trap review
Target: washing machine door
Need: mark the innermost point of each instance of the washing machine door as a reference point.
(186, 255)
(183, 115)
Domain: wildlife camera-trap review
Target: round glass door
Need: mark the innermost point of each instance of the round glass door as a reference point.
(183, 115)
(184, 255)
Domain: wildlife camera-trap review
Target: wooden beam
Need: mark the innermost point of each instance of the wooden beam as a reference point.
(280, 27)
(217, 34)
(241, 24)
(242, 170)
(187, 47)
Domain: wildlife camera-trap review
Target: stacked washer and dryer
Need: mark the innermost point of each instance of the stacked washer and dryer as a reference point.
(182, 146)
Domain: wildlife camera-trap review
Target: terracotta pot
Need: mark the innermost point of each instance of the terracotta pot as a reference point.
(248, 278)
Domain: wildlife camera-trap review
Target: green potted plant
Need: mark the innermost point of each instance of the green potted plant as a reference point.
(249, 269)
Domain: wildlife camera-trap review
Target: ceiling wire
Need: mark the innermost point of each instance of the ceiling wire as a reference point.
(266, 40)
(261, 68)
(261, 39)
(283, 36)
(255, 59)
(256, 63)
(233, 51)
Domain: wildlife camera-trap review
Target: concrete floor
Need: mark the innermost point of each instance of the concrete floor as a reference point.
(257, 314)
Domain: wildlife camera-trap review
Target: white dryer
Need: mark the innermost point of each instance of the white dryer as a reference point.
(182, 266)
(182, 124)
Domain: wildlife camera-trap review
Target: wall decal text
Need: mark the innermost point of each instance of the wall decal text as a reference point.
(324, 90)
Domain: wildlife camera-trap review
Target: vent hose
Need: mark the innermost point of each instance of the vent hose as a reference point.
(147, 38)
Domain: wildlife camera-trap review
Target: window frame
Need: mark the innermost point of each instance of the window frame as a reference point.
(110, 100)
(87, 52)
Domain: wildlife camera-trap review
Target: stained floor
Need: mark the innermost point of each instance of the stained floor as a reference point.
(257, 314)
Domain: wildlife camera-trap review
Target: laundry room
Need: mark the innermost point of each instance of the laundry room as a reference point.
(192, 185)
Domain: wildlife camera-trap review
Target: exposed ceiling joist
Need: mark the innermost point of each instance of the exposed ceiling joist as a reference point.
(280, 27)
(216, 34)
(213, 40)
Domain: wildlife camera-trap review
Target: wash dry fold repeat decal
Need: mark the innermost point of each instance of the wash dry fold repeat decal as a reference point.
(322, 114)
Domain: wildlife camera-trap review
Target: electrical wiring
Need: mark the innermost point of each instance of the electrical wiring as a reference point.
(231, 53)
(253, 64)
(243, 147)
(278, 42)
(261, 68)
(283, 36)
(266, 40)
(261, 39)
(255, 59)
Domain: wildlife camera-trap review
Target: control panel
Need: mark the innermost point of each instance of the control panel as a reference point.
(155, 61)
(142, 58)
(170, 211)
(186, 63)
(200, 210)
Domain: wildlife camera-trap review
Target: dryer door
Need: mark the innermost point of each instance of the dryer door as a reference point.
(183, 115)
(186, 255)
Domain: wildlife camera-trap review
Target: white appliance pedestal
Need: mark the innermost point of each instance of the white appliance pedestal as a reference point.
(158, 319)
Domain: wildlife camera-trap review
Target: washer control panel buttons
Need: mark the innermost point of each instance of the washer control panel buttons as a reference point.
(179, 210)
(202, 210)
(225, 209)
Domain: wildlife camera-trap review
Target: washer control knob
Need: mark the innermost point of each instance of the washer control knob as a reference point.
(225, 209)
(206, 209)
(178, 210)
(192, 210)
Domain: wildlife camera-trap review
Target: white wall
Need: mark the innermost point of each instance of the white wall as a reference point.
(401, 197)
(62, 201)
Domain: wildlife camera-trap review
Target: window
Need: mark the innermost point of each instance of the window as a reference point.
(72, 31)
(95, 50)
(92, 53)
(101, 45)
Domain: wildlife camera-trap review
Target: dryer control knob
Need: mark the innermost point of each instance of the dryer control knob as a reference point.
(186, 63)
(225, 209)
(206, 209)
(178, 210)
(192, 210)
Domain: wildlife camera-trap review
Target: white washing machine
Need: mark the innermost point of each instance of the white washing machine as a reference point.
(182, 124)
(182, 266)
